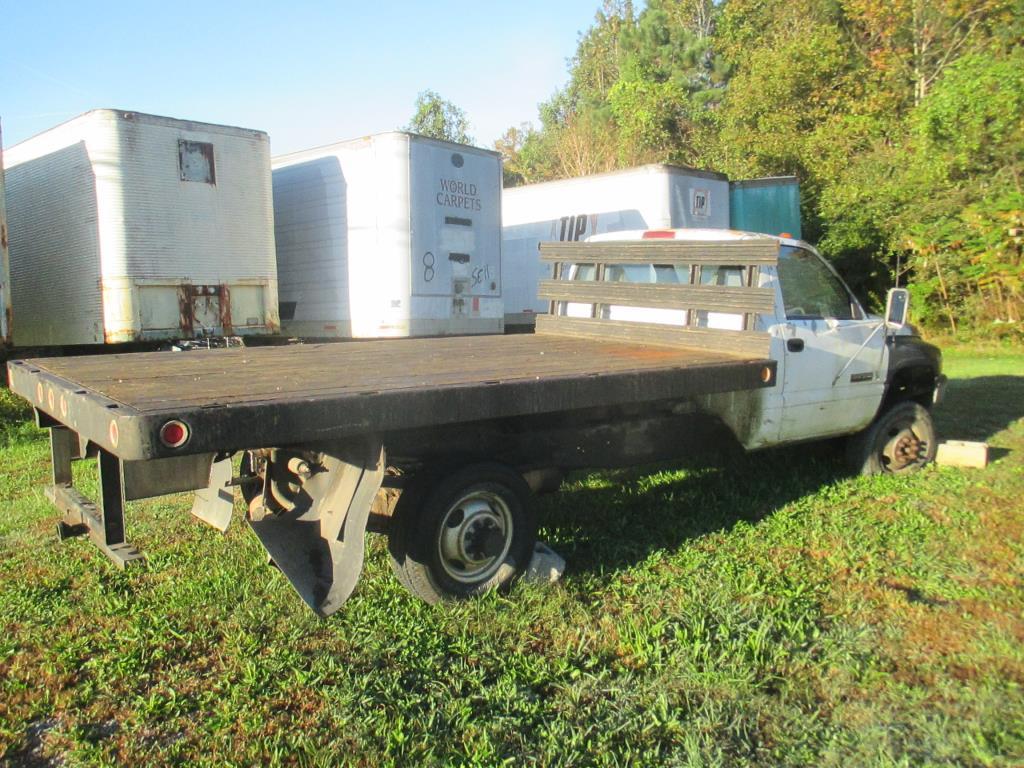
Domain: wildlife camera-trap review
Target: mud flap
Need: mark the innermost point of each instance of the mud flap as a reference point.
(318, 546)
(214, 503)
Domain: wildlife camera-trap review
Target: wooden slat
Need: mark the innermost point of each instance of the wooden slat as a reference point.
(710, 297)
(754, 251)
(753, 344)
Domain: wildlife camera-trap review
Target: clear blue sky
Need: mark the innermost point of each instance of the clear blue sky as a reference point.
(308, 73)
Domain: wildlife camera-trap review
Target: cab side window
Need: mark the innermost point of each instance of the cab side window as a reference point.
(810, 291)
(730, 276)
(585, 272)
(647, 273)
(724, 275)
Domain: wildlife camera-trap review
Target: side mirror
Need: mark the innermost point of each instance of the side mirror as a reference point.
(897, 305)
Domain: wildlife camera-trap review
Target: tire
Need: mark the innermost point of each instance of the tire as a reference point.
(899, 441)
(462, 534)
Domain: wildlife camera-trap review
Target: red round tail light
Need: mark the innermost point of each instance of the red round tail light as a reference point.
(174, 434)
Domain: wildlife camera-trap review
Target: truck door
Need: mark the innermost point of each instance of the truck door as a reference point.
(835, 356)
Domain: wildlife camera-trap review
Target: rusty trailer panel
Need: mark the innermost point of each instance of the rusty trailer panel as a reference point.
(199, 303)
(273, 396)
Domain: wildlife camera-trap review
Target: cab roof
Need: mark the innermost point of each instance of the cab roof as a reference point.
(724, 235)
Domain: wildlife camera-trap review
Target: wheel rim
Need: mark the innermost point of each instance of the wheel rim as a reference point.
(904, 449)
(475, 537)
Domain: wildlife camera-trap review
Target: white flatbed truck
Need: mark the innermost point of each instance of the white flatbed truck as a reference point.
(658, 344)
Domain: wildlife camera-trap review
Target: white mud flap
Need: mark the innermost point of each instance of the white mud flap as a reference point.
(318, 545)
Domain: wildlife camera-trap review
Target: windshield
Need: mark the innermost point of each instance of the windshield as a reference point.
(810, 290)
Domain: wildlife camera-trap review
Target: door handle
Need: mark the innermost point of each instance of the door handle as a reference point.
(795, 345)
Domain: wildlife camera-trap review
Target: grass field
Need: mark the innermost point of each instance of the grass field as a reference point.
(771, 612)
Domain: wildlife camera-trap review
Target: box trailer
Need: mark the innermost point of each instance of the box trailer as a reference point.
(5, 265)
(389, 235)
(770, 205)
(132, 227)
(648, 197)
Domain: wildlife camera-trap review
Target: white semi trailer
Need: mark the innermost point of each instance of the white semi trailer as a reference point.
(129, 227)
(5, 269)
(648, 197)
(389, 235)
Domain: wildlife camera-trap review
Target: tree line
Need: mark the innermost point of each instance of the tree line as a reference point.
(903, 120)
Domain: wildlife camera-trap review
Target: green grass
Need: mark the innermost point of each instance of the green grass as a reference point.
(770, 612)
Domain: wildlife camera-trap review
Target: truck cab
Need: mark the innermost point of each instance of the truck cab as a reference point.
(838, 366)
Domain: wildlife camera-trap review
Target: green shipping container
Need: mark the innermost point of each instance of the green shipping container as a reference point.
(770, 205)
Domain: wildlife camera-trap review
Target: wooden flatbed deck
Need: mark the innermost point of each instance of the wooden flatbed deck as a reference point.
(266, 396)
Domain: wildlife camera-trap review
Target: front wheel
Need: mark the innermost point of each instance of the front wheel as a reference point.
(900, 441)
(463, 534)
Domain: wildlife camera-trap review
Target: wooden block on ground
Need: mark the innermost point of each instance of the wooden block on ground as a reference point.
(962, 453)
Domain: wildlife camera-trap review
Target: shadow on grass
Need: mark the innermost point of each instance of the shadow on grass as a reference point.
(976, 409)
(656, 508)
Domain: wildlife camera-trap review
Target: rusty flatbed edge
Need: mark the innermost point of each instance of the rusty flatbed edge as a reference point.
(271, 396)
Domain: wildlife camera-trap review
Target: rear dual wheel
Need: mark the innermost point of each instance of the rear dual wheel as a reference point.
(462, 534)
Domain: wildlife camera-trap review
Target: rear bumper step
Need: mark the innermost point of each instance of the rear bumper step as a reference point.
(103, 522)
(81, 518)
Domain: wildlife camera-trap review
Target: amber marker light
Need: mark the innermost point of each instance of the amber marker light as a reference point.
(174, 433)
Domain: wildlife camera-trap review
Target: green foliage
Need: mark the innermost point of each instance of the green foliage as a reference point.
(669, 78)
(595, 66)
(969, 265)
(514, 169)
(973, 119)
(439, 119)
(785, 94)
(966, 155)
(647, 113)
(903, 120)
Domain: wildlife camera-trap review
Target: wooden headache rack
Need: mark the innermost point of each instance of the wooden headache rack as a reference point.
(748, 299)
